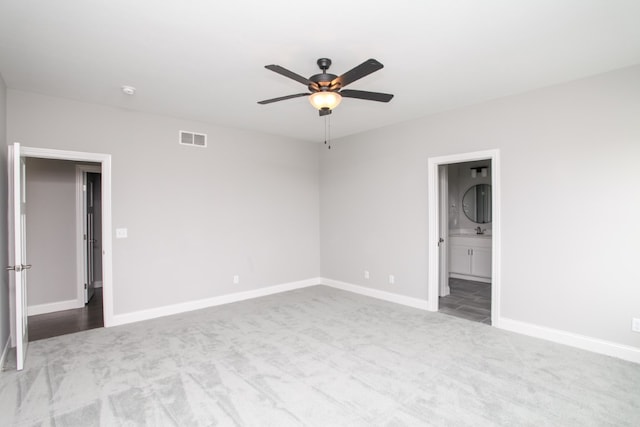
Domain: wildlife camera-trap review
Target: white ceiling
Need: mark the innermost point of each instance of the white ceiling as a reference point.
(204, 60)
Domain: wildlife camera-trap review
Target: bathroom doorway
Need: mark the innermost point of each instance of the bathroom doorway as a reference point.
(464, 232)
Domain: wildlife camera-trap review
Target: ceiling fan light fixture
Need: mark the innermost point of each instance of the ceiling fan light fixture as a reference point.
(325, 100)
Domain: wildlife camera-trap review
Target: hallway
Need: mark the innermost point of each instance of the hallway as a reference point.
(68, 321)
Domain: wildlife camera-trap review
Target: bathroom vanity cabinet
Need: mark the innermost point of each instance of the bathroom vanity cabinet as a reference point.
(470, 257)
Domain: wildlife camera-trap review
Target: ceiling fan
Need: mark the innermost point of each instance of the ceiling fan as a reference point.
(327, 90)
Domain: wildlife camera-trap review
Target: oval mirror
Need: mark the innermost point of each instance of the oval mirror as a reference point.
(476, 203)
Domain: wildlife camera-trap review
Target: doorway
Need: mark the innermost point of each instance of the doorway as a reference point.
(466, 260)
(18, 237)
(63, 242)
(466, 233)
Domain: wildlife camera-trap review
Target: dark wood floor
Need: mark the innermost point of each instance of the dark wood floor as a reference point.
(68, 321)
(469, 300)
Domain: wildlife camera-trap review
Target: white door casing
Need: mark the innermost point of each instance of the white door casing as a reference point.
(434, 220)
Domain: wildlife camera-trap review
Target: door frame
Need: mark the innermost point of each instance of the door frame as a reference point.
(81, 245)
(107, 258)
(434, 219)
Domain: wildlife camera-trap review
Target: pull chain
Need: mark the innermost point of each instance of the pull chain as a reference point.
(329, 124)
(327, 131)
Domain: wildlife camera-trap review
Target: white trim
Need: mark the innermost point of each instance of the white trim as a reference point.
(433, 163)
(474, 278)
(583, 342)
(167, 310)
(97, 284)
(107, 263)
(5, 353)
(152, 313)
(51, 307)
(378, 294)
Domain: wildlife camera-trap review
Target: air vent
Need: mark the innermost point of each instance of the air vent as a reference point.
(193, 139)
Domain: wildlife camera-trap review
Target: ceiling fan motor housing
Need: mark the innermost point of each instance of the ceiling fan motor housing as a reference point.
(323, 80)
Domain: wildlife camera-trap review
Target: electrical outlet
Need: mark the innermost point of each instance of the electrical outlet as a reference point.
(236, 279)
(392, 279)
(121, 233)
(635, 324)
(366, 274)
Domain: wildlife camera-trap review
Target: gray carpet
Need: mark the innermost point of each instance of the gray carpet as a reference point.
(317, 357)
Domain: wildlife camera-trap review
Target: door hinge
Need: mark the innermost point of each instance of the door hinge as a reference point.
(85, 286)
(18, 268)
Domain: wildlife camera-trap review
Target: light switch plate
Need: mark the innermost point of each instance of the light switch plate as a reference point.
(121, 233)
(635, 324)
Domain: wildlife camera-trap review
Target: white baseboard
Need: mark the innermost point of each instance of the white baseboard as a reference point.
(122, 319)
(473, 278)
(562, 337)
(5, 353)
(33, 310)
(97, 284)
(375, 293)
(583, 342)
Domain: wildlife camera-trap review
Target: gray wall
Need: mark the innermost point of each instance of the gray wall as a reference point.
(570, 158)
(247, 205)
(4, 257)
(51, 231)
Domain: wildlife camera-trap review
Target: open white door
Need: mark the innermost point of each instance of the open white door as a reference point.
(17, 250)
(443, 228)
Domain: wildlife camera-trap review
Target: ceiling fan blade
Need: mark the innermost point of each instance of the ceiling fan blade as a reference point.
(370, 96)
(324, 112)
(364, 69)
(284, 72)
(282, 98)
